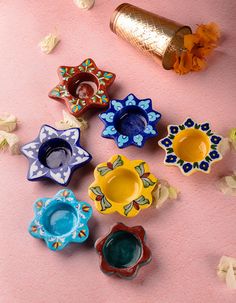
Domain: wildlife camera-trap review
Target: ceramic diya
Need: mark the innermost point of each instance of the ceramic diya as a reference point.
(82, 87)
(122, 186)
(123, 251)
(61, 220)
(130, 121)
(191, 147)
(55, 154)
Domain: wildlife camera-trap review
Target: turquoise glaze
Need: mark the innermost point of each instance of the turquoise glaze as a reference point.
(61, 220)
(122, 249)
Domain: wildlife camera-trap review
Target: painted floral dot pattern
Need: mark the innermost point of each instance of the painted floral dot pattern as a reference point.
(80, 231)
(185, 166)
(78, 106)
(123, 140)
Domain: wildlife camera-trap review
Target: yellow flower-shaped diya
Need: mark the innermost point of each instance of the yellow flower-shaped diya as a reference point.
(122, 186)
(191, 147)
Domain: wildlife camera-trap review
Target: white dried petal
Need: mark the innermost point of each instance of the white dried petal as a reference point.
(231, 181)
(48, 43)
(227, 185)
(11, 141)
(232, 137)
(173, 193)
(226, 271)
(224, 146)
(70, 121)
(8, 122)
(164, 192)
(84, 4)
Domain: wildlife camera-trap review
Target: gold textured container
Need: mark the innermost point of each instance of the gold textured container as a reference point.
(154, 35)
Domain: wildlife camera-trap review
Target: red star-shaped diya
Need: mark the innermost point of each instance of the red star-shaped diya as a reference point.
(123, 251)
(82, 87)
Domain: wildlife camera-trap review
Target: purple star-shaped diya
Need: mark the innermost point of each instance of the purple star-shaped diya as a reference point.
(55, 154)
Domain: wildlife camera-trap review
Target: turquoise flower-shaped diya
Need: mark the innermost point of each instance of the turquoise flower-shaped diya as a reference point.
(82, 87)
(61, 220)
(55, 154)
(123, 251)
(191, 147)
(130, 121)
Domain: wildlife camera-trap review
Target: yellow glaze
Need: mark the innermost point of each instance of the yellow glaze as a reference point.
(191, 145)
(122, 186)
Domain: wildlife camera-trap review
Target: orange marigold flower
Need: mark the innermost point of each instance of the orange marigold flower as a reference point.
(196, 48)
(183, 64)
(209, 33)
(190, 41)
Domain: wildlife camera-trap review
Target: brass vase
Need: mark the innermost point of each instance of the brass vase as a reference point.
(154, 35)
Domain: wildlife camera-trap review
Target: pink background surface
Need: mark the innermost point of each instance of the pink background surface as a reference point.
(187, 237)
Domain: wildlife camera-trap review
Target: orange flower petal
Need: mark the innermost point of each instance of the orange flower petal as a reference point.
(183, 64)
(190, 41)
(198, 64)
(208, 33)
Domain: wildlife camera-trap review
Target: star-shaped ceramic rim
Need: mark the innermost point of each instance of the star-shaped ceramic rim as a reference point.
(78, 234)
(122, 140)
(62, 175)
(129, 272)
(187, 168)
(78, 106)
(128, 209)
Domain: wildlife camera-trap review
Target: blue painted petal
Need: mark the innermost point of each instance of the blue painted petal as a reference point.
(170, 159)
(214, 154)
(130, 100)
(144, 104)
(189, 122)
(187, 167)
(109, 130)
(122, 140)
(205, 126)
(138, 139)
(204, 165)
(166, 142)
(117, 105)
(153, 116)
(149, 130)
(107, 116)
(215, 139)
(174, 129)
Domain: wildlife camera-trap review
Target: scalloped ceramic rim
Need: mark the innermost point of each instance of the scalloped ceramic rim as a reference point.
(139, 117)
(72, 76)
(49, 141)
(127, 272)
(191, 147)
(60, 220)
(122, 186)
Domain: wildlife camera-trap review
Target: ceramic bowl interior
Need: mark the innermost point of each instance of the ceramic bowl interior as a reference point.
(59, 219)
(83, 85)
(55, 153)
(122, 249)
(130, 120)
(191, 145)
(122, 185)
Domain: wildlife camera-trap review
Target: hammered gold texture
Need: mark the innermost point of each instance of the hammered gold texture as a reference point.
(148, 32)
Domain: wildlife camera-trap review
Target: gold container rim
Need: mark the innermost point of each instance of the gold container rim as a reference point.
(115, 15)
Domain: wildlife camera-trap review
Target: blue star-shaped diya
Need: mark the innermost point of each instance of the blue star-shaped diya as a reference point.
(130, 121)
(61, 220)
(55, 154)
